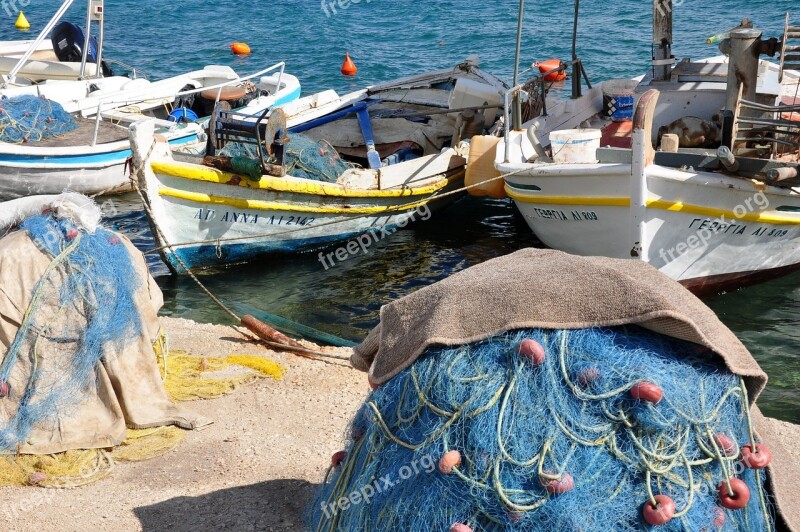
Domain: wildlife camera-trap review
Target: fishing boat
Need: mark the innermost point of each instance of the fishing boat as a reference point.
(692, 167)
(91, 158)
(303, 178)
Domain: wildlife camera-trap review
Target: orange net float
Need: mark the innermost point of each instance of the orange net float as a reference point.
(660, 514)
(240, 48)
(550, 64)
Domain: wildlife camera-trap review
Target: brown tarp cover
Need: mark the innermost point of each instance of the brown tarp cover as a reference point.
(128, 390)
(549, 289)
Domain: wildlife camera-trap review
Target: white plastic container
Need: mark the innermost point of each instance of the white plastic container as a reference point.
(469, 93)
(575, 145)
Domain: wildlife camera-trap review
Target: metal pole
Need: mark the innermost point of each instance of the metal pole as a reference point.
(577, 67)
(87, 38)
(101, 22)
(516, 118)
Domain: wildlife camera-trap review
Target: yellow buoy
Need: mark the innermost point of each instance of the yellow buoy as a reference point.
(22, 23)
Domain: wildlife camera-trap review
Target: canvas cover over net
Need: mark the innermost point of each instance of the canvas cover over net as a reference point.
(451, 376)
(78, 317)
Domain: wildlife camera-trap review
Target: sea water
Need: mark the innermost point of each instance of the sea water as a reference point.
(392, 38)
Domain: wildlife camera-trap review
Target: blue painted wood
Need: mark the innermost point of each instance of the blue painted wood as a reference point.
(373, 158)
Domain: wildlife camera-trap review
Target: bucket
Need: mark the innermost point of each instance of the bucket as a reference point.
(618, 99)
(182, 114)
(575, 145)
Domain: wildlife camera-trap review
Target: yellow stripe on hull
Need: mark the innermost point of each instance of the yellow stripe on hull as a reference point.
(672, 206)
(211, 175)
(260, 205)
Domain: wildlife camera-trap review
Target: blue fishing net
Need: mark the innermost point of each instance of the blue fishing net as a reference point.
(84, 305)
(305, 157)
(560, 445)
(33, 118)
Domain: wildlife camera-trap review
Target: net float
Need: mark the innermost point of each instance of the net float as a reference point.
(740, 497)
(113, 240)
(337, 458)
(72, 234)
(5, 389)
(516, 517)
(719, 517)
(660, 514)
(758, 458)
(532, 350)
(36, 478)
(348, 67)
(550, 64)
(448, 461)
(588, 376)
(240, 48)
(558, 486)
(647, 391)
(460, 527)
(726, 445)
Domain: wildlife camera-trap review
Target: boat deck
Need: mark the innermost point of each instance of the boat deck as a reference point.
(83, 135)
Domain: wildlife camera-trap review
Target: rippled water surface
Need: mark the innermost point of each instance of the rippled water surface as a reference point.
(388, 39)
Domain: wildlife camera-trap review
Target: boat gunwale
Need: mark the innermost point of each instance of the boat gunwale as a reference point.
(296, 185)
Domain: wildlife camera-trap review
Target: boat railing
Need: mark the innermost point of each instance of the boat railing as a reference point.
(511, 95)
(135, 72)
(110, 103)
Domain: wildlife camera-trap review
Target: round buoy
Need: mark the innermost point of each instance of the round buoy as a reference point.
(533, 350)
(448, 461)
(726, 445)
(660, 514)
(740, 497)
(337, 458)
(22, 23)
(550, 64)
(348, 67)
(240, 48)
(758, 458)
(558, 486)
(5, 389)
(647, 391)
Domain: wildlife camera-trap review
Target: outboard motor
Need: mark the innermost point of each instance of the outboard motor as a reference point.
(68, 40)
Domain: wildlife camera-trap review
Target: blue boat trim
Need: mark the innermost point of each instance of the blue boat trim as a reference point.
(209, 255)
(111, 157)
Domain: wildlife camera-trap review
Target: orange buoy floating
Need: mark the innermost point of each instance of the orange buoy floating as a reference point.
(348, 67)
(240, 48)
(550, 64)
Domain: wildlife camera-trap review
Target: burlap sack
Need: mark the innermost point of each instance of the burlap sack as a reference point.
(553, 290)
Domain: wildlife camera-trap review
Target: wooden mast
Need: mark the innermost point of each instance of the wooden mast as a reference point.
(662, 39)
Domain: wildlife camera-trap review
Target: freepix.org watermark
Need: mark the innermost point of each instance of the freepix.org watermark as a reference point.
(365, 494)
(706, 229)
(13, 7)
(363, 242)
(329, 6)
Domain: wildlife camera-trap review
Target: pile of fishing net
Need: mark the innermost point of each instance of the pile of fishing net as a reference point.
(305, 157)
(593, 429)
(30, 118)
(83, 384)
